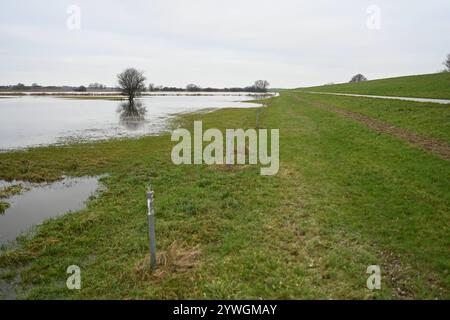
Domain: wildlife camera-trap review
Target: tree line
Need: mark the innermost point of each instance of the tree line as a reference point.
(258, 86)
(38, 88)
(132, 82)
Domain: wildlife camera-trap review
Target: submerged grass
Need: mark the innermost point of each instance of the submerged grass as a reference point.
(12, 190)
(7, 192)
(345, 198)
(3, 206)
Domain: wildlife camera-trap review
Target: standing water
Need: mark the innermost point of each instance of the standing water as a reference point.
(42, 201)
(33, 121)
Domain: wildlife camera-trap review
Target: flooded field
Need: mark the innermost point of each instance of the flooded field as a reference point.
(28, 121)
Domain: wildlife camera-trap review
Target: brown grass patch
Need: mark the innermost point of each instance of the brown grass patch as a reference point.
(176, 259)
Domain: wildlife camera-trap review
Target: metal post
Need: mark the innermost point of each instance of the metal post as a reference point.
(151, 231)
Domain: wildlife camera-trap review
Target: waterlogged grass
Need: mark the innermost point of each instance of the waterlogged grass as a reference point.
(435, 86)
(3, 206)
(7, 192)
(12, 190)
(344, 198)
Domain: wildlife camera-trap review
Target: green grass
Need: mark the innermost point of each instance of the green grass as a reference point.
(435, 86)
(11, 191)
(429, 119)
(3, 206)
(345, 198)
(7, 192)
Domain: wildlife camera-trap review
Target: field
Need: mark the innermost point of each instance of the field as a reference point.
(361, 182)
(435, 86)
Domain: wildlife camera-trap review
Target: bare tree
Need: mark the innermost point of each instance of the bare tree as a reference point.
(447, 62)
(192, 87)
(19, 86)
(358, 78)
(131, 83)
(80, 89)
(261, 85)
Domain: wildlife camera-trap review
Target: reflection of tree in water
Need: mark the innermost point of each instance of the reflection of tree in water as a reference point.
(261, 96)
(132, 115)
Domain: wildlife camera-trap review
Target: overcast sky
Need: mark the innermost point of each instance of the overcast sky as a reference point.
(221, 43)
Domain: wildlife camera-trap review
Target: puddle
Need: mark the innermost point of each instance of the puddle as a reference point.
(8, 288)
(39, 202)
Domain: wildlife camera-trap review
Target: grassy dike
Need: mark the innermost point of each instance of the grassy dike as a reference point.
(345, 198)
(434, 86)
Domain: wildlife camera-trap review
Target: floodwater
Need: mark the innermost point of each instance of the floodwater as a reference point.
(440, 101)
(42, 201)
(28, 121)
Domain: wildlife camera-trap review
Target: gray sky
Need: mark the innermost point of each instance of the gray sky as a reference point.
(221, 43)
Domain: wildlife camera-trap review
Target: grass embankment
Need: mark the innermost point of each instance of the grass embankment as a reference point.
(434, 86)
(429, 119)
(345, 198)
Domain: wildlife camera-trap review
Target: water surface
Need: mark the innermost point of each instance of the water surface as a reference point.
(42, 201)
(28, 121)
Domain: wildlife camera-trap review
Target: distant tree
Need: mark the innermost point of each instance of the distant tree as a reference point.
(131, 83)
(151, 87)
(209, 89)
(172, 89)
(447, 62)
(80, 89)
(35, 85)
(19, 86)
(261, 85)
(358, 78)
(96, 86)
(192, 87)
